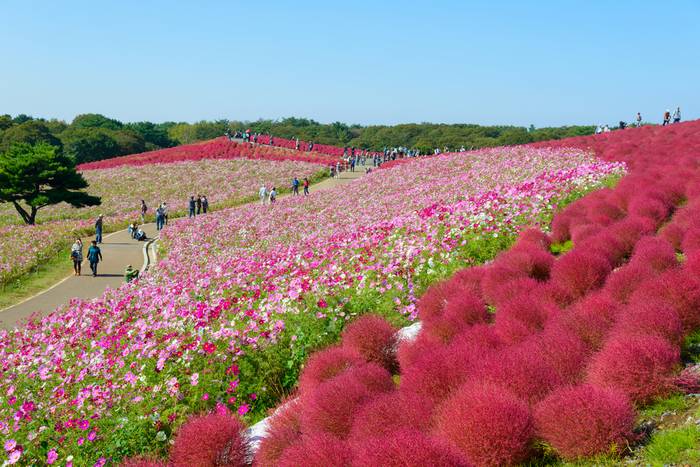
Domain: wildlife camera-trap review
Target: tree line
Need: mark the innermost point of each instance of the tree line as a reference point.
(91, 137)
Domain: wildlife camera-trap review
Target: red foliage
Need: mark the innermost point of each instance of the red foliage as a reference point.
(529, 260)
(409, 352)
(591, 318)
(562, 350)
(213, 439)
(646, 206)
(490, 426)
(470, 279)
(508, 290)
(625, 280)
(650, 317)
(691, 241)
(407, 448)
(316, 450)
(579, 272)
(654, 252)
(585, 420)
(432, 303)
(522, 316)
(324, 365)
(284, 430)
(640, 366)
(583, 231)
(388, 413)
(459, 312)
(372, 338)
(536, 237)
(332, 405)
(673, 233)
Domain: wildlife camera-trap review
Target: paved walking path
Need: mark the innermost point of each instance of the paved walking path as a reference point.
(118, 250)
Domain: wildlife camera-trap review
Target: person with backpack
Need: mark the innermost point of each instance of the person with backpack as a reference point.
(273, 195)
(306, 186)
(76, 254)
(98, 228)
(205, 204)
(262, 193)
(295, 186)
(94, 257)
(667, 118)
(144, 208)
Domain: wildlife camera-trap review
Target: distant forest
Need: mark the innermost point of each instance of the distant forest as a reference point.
(91, 137)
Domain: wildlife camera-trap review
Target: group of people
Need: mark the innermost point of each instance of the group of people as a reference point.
(676, 116)
(197, 206)
(94, 256)
(667, 117)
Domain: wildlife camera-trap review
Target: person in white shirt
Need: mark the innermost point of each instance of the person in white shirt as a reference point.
(677, 115)
(262, 192)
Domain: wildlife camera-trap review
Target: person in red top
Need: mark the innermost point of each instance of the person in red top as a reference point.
(306, 186)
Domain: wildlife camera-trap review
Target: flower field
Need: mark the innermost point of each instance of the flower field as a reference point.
(537, 354)
(222, 148)
(227, 318)
(224, 182)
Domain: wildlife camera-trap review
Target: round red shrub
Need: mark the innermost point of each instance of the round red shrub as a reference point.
(489, 426)
(409, 352)
(625, 280)
(560, 227)
(372, 338)
(375, 377)
(324, 365)
(316, 450)
(388, 413)
(496, 277)
(584, 231)
(407, 448)
(640, 366)
(529, 260)
(460, 311)
(562, 350)
(673, 234)
(654, 252)
(432, 303)
(520, 317)
(583, 421)
(650, 317)
(435, 375)
(591, 318)
(613, 249)
(536, 237)
(646, 206)
(213, 439)
(284, 429)
(470, 279)
(519, 370)
(579, 272)
(691, 240)
(678, 290)
(511, 289)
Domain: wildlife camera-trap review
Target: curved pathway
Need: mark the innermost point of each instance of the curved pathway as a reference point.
(118, 250)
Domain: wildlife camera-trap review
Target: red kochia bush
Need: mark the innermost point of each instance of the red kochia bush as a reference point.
(583, 421)
(650, 317)
(522, 316)
(527, 259)
(316, 450)
(625, 280)
(591, 318)
(388, 413)
(330, 408)
(579, 272)
(432, 302)
(651, 208)
(640, 366)
(460, 311)
(562, 350)
(284, 429)
(691, 240)
(470, 279)
(372, 338)
(490, 426)
(654, 252)
(409, 352)
(536, 237)
(324, 365)
(206, 440)
(407, 448)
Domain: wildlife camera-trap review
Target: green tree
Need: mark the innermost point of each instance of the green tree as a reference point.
(89, 144)
(153, 134)
(30, 132)
(40, 176)
(96, 121)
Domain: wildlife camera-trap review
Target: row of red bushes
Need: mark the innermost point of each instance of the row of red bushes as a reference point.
(577, 342)
(304, 146)
(219, 148)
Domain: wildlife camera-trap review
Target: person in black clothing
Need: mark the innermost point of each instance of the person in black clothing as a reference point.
(205, 204)
(191, 206)
(199, 204)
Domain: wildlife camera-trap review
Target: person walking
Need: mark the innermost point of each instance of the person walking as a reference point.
(667, 118)
(677, 115)
(94, 257)
(205, 204)
(273, 195)
(262, 193)
(295, 186)
(144, 208)
(98, 228)
(639, 119)
(160, 218)
(199, 204)
(191, 206)
(306, 186)
(76, 254)
(164, 208)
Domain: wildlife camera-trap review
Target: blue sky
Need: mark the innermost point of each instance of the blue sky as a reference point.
(508, 62)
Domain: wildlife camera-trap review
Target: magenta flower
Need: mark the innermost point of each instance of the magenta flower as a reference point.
(243, 409)
(51, 457)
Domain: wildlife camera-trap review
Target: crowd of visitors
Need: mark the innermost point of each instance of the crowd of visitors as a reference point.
(666, 120)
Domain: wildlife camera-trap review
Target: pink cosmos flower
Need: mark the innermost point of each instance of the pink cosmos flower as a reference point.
(243, 409)
(92, 436)
(51, 457)
(205, 397)
(10, 444)
(14, 457)
(194, 379)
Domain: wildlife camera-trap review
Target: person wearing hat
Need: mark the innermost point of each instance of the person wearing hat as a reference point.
(98, 229)
(94, 257)
(130, 273)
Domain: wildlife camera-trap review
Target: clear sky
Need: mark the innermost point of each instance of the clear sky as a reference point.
(488, 62)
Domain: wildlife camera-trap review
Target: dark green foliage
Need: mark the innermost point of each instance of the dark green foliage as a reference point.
(30, 132)
(39, 176)
(96, 121)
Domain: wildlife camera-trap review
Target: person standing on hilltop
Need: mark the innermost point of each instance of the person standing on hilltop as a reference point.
(295, 186)
(94, 257)
(667, 118)
(192, 206)
(296, 144)
(306, 186)
(311, 146)
(144, 209)
(262, 193)
(677, 115)
(639, 119)
(205, 204)
(76, 254)
(98, 228)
